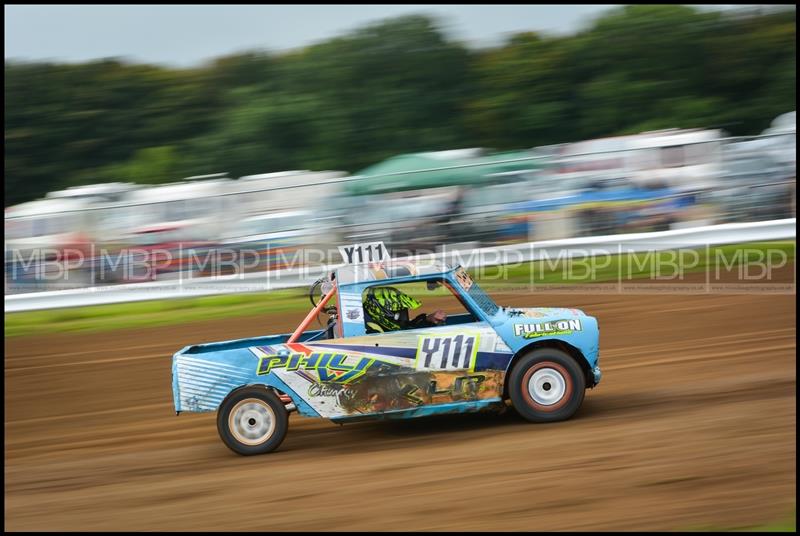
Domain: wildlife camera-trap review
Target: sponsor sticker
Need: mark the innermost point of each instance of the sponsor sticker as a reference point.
(556, 327)
(353, 309)
(463, 279)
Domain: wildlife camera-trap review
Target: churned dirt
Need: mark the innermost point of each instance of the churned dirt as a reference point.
(692, 426)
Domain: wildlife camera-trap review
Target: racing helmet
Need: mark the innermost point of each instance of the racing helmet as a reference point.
(387, 307)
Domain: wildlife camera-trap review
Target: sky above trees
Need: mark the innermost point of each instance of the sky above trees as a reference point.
(187, 35)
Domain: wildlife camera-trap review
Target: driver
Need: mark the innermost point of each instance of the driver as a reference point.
(386, 309)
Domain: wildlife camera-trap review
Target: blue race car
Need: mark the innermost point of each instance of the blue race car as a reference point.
(363, 367)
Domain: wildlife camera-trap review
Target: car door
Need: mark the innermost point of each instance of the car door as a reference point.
(426, 367)
(402, 370)
(445, 362)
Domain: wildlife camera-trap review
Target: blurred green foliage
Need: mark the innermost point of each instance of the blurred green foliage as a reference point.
(394, 87)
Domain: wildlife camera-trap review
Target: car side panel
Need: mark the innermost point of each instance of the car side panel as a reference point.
(356, 376)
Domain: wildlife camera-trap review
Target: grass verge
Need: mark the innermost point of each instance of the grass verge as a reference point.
(788, 524)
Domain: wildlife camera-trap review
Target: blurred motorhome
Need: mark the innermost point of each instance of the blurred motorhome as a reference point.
(414, 202)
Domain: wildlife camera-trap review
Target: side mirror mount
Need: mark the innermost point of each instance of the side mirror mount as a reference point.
(433, 285)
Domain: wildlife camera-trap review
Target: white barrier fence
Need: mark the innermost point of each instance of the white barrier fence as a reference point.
(469, 258)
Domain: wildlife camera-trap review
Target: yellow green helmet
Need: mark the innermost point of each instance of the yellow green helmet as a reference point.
(385, 305)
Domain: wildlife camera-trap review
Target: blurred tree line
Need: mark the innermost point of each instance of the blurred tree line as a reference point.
(394, 87)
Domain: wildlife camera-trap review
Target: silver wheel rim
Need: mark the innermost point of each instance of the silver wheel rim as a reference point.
(251, 421)
(547, 386)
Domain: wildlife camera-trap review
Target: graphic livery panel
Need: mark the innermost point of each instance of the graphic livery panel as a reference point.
(405, 370)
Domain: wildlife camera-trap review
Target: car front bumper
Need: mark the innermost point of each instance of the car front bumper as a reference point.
(597, 374)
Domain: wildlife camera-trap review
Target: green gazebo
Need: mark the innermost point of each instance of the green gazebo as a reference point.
(418, 171)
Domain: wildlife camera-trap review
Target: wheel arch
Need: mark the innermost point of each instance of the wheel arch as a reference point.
(292, 400)
(557, 344)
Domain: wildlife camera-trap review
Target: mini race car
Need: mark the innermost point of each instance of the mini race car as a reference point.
(540, 359)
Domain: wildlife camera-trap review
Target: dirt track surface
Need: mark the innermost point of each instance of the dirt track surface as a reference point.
(692, 426)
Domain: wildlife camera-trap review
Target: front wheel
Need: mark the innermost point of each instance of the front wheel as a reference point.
(547, 385)
(252, 420)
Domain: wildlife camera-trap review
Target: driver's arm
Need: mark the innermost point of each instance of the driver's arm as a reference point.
(437, 318)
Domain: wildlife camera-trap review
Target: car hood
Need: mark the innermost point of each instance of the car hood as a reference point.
(520, 327)
(525, 313)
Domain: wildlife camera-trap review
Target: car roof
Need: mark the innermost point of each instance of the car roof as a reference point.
(389, 270)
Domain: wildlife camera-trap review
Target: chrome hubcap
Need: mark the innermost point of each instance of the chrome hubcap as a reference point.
(547, 386)
(252, 421)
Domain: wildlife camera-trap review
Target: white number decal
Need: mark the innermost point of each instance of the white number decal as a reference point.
(363, 253)
(455, 352)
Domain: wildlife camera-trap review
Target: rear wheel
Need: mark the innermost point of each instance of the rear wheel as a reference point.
(546, 385)
(252, 420)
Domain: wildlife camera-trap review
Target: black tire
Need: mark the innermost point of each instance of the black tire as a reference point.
(262, 421)
(559, 388)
